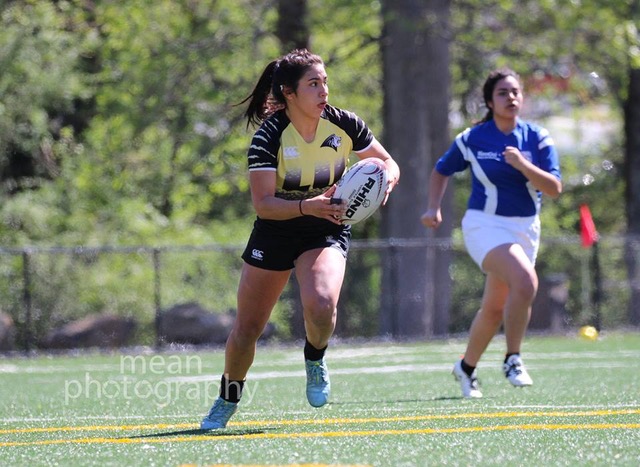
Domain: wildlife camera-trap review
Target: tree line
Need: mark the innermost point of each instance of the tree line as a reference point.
(119, 124)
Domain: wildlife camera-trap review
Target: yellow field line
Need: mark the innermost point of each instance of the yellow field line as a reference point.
(287, 465)
(328, 421)
(330, 434)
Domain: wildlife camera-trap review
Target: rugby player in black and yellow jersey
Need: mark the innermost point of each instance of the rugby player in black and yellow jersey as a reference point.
(299, 151)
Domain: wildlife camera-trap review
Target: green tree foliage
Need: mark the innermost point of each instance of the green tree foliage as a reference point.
(574, 56)
(351, 51)
(168, 146)
(571, 66)
(161, 155)
(39, 80)
(558, 37)
(164, 153)
(42, 89)
(118, 124)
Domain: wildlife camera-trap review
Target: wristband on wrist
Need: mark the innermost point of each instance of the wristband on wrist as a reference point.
(300, 208)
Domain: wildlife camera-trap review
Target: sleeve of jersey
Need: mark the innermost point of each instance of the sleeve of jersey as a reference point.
(549, 160)
(263, 152)
(453, 160)
(357, 130)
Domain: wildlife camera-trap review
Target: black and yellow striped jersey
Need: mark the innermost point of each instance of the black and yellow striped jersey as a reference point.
(307, 169)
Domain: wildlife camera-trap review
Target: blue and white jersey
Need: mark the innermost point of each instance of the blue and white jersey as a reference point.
(496, 187)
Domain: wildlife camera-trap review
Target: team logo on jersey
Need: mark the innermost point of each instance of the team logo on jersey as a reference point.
(332, 141)
(483, 155)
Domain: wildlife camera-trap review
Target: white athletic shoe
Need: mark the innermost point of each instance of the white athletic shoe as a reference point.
(468, 384)
(515, 371)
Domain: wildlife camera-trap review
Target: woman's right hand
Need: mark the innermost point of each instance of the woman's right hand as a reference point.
(326, 207)
(432, 218)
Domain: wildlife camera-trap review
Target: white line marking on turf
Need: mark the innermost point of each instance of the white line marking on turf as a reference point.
(334, 371)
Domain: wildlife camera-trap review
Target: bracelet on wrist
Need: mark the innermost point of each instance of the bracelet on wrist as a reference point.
(300, 208)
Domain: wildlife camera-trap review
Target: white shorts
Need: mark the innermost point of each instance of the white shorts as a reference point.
(483, 232)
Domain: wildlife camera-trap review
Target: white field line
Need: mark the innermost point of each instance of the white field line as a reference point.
(373, 355)
(376, 370)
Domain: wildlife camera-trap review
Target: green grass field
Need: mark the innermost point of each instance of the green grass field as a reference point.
(392, 405)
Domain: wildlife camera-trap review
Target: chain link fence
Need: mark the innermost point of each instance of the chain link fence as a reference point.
(44, 288)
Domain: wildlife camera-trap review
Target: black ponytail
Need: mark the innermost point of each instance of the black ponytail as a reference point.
(258, 107)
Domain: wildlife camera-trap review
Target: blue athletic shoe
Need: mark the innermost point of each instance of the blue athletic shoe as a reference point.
(318, 384)
(219, 415)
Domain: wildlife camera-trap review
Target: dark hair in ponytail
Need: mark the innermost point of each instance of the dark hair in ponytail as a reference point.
(490, 85)
(285, 72)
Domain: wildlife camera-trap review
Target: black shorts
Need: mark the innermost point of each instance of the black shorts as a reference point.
(275, 245)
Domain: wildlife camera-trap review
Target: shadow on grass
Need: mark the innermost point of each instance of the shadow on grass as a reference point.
(199, 432)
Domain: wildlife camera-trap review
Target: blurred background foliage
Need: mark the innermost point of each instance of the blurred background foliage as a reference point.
(119, 123)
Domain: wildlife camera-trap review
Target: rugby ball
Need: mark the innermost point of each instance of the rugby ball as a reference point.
(363, 185)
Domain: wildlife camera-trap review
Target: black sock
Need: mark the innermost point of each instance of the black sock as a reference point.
(506, 357)
(311, 353)
(231, 390)
(468, 369)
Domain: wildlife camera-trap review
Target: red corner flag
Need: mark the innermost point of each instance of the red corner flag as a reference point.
(588, 231)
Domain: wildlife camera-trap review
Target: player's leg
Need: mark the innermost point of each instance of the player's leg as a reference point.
(320, 273)
(484, 326)
(487, 321)
(258, 292)
(512, 265)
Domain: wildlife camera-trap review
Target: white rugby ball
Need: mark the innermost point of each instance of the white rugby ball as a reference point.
(363, 185)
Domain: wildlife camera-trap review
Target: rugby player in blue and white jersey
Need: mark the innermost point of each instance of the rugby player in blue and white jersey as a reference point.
(513, 163)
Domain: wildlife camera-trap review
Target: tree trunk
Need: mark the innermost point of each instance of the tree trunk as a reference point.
(292, 29)
(416, 98)
(293, 33)
(632, 194)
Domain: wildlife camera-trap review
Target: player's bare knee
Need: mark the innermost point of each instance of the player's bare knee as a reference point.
(524, 290)
(246, 334)
(492, 315)
(320, 312)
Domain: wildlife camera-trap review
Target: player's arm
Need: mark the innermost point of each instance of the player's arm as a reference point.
(437, 187)
(268, 206)
(541, 180)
